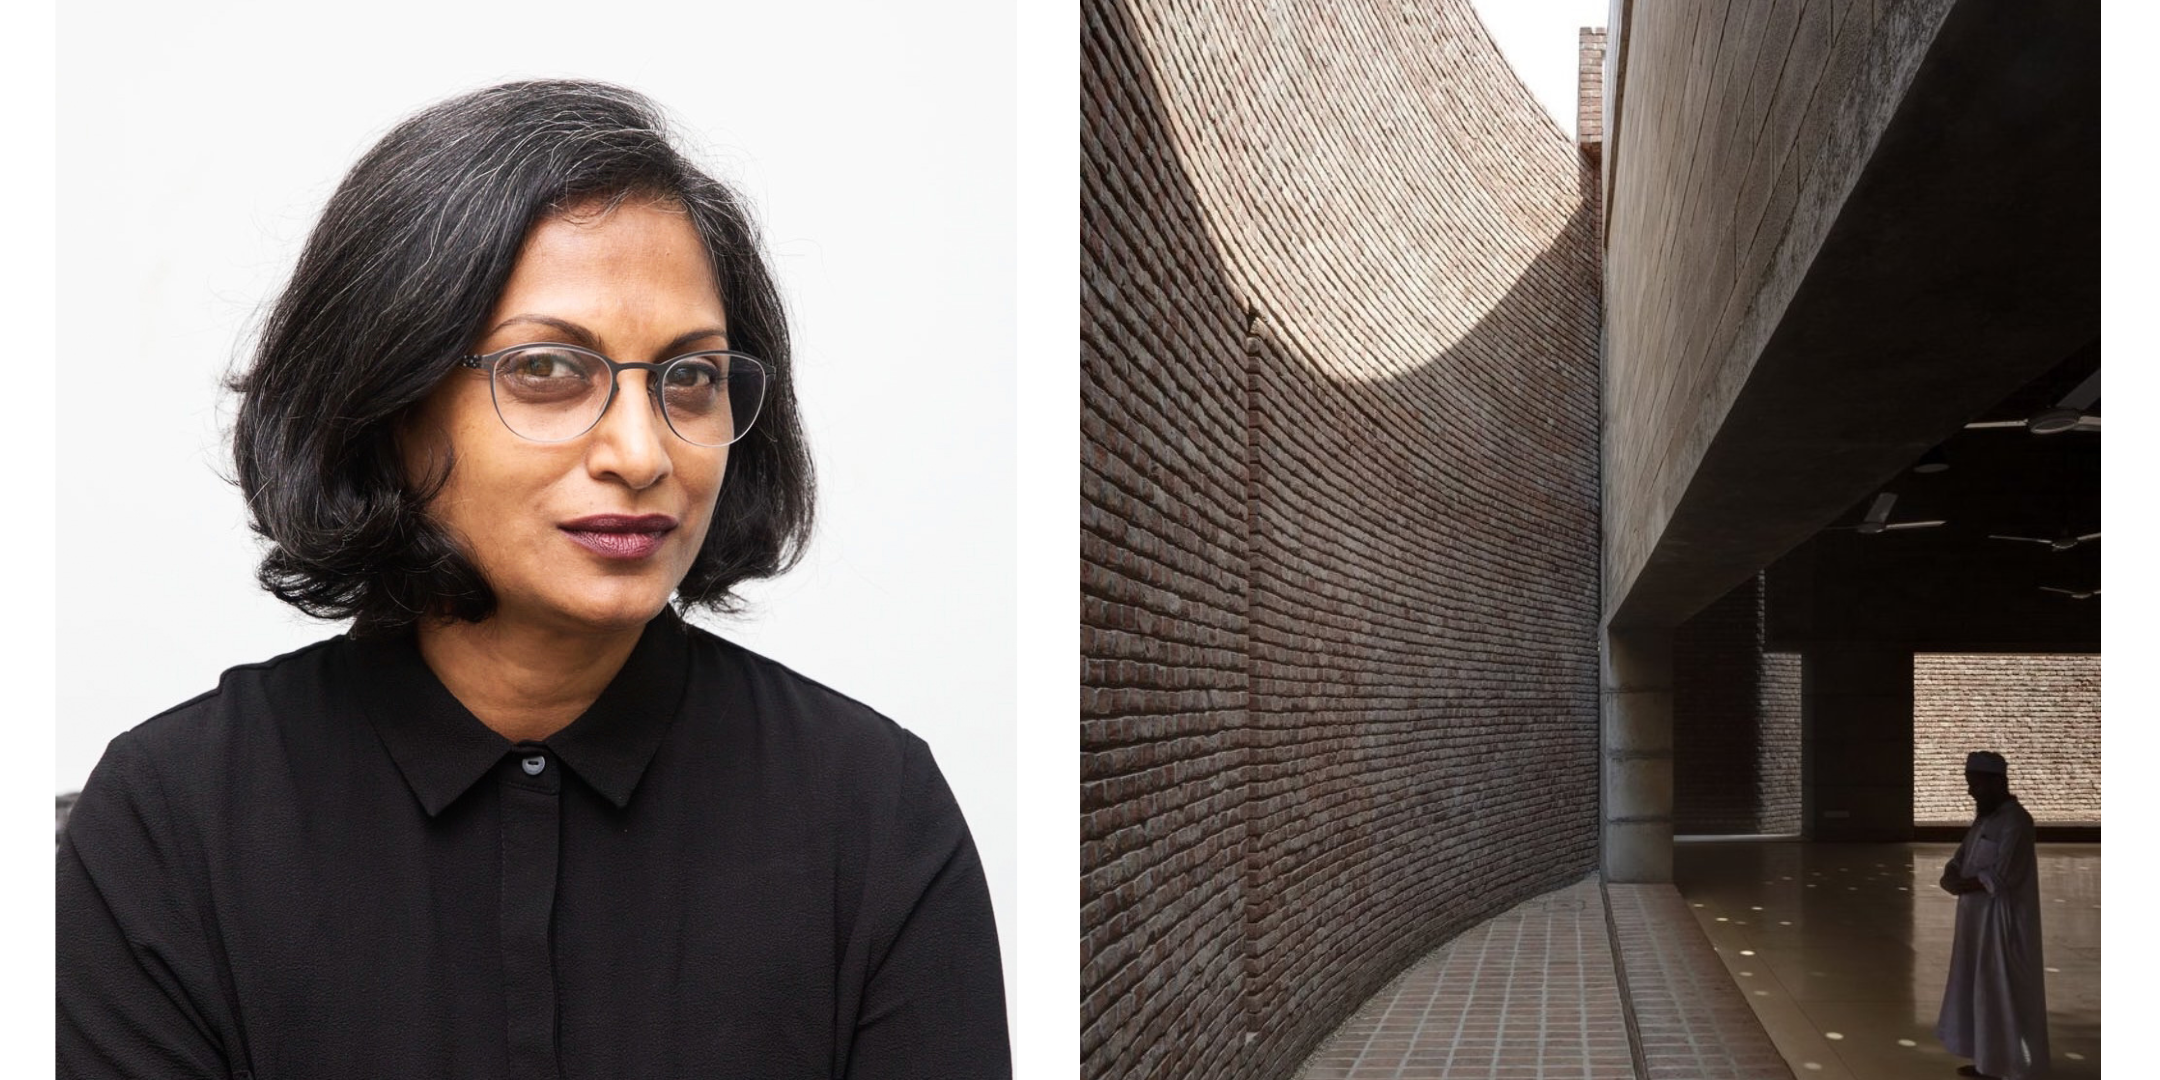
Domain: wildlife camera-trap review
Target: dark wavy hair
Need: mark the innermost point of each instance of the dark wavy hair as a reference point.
(395, 284)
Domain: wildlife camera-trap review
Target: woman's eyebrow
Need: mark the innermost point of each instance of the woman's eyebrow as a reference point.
(578, 335)
(676, 346)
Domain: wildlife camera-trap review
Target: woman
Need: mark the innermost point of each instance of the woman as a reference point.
(529, 381)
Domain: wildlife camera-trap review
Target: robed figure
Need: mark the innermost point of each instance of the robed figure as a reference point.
(1994, 1009)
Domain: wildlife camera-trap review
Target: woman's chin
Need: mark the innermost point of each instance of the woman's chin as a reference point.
(612, 609)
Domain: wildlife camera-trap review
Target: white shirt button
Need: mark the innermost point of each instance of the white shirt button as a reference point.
(534, 764)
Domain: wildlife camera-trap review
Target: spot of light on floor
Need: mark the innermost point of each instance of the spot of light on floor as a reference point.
(1902, 888)
(1810, 1066)
(1757, 907)
(1762, 993)
(1722, 918)
(1747, 952)
(1832, 1035)
(2073, 1055)
(1698, 905)
(1811, 885)
(1747, 974)
(1907, 1042)
(2057, 971)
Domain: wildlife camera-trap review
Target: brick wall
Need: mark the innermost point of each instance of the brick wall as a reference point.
(1590, 90)
(1339, 516)
(1736, 722)
(1778, 778)
(2040, 712)
(1163, 583)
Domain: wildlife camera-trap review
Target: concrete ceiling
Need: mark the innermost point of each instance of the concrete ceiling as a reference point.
(1953, 588)
(1960, 282)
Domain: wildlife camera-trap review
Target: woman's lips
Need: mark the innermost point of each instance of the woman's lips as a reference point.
(617, 536)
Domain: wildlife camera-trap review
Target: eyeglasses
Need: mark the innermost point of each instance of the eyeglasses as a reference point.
(553, 393)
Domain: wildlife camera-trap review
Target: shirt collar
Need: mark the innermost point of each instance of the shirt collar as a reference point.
(442, 749)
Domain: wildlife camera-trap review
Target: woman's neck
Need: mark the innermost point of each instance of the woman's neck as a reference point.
(524, 681)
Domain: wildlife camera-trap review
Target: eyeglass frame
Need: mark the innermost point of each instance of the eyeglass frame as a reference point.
(486, 362)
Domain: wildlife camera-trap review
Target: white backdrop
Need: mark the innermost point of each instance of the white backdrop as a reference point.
(875, 143)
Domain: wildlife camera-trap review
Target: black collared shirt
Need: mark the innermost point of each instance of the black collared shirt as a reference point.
(327, 867)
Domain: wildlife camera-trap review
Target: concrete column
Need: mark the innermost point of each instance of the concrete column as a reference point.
(1638, 756)
(1856, 717)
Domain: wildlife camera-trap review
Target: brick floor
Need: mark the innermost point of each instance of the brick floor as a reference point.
(1530, 993)
(1693, 1021)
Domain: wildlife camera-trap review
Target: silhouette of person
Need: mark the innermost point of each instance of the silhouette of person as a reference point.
(1994, 1009)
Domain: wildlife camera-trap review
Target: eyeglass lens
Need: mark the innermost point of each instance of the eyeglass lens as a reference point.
(552, 394)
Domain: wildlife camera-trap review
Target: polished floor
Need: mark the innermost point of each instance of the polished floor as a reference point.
(1843, 949)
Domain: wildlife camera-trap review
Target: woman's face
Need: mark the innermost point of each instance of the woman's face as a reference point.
(592, 534)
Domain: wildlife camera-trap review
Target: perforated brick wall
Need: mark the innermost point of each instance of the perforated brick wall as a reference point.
(2042, 713)
(1339, 515)
(1777, 780)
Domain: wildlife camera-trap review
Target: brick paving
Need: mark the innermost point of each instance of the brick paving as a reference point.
(1693, 1022)
(1533, 993)
(1529, 993)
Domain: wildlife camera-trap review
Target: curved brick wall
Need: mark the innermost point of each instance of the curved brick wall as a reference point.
(1339, 515)
(2040, 712)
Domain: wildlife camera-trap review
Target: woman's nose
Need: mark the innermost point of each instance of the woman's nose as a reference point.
(630, 443)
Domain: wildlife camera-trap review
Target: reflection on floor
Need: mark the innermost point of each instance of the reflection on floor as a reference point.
(1843, 949)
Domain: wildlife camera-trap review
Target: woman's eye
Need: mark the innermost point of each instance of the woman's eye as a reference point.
(547, 376)
(693, 376)
(545, 366)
